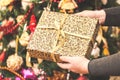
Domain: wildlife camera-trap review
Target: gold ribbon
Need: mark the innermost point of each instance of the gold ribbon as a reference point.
(60, 37)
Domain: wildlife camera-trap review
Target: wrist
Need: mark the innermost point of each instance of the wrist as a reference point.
(100, 15)
(86, 67)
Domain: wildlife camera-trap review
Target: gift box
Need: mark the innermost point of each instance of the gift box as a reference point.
(59, 34)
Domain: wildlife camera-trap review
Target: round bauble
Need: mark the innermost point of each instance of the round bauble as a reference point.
(14, 62)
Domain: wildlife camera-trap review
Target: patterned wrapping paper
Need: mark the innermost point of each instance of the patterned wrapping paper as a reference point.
(59, 34)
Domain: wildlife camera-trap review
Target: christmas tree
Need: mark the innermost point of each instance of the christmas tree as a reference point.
(18, 20)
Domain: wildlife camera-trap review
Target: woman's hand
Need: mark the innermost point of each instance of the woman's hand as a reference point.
(98, 14)
(78, 64)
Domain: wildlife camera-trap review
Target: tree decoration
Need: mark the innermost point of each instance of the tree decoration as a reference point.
(1, 35)
(5, 2)
(28, 74)
(105, 51)
(14, 61)
(2, 55)
(9, 29)
(32, 24)
(104, 2)
(118, 1)
(96, 51)
(1, 45)
(67, 5)
(24, 39)
(20, 18)
(26, 3)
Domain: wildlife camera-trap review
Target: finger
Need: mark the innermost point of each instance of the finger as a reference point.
(63, 65)
(65, 58)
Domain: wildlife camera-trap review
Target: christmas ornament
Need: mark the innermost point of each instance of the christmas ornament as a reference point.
(115, 32)
(6, 23)
(10, 29)
(100, 39)
(28, 74)
(5, 2)
(118, 1)
(1, 76)
(20, 19)
(26, 3)
(67, 5)
(24, 39)
(1, 45)
(28, 60)
(1, 35)
(14, 61)
(96, 51)
(99, 36)
(32, 24)
(104, 2)
(105, 51)
(2, 55)
(7, 79)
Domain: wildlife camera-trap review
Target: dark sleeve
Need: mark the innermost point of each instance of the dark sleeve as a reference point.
(112, 16)
(105, 66)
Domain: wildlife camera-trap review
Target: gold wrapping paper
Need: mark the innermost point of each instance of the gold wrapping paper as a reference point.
(62, 34)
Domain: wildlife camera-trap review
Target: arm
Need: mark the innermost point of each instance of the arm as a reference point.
(112, 16)
(107, 17)
(105, 66)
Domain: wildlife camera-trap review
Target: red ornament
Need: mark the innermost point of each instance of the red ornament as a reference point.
(1, 35)
(32, 24)
(1, 77)
(2, 55)
(82, 78)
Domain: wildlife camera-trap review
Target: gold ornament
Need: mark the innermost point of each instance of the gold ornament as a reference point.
(67, 5)
(5, 2)
(24, 39)
(14, 62)
(104, 2)
(26, 3)
(20, 18)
